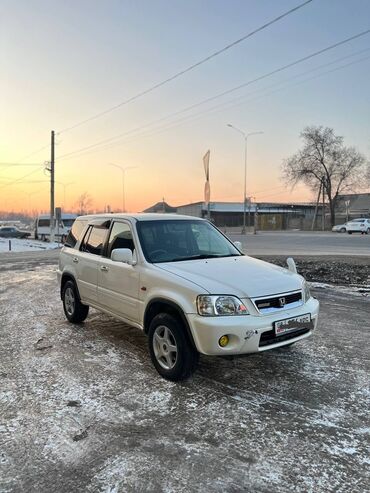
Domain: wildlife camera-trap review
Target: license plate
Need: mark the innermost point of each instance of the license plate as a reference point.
(291, 324)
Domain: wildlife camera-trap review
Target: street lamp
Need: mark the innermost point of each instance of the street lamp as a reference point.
(245, 136)
(29, 199)
(123, 181)
(64, 185)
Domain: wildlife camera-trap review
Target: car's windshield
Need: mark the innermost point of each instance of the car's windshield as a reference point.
(68, 223)
(179, 240)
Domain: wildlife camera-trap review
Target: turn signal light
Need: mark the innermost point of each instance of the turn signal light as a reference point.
(223, 341)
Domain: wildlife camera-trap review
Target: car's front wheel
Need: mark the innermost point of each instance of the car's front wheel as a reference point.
(342, 230)
(75, 311)
(170, 349)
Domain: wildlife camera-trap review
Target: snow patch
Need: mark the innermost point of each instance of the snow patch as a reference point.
(20, 245)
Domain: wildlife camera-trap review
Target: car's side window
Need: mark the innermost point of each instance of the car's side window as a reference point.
(120, 237)
(75, 233)
(94, 240)
(85, 239)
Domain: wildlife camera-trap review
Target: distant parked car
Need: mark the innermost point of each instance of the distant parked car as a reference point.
(359, 226)
(13, 232)
(340, 228)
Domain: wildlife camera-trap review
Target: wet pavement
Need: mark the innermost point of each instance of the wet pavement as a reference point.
(82, 408)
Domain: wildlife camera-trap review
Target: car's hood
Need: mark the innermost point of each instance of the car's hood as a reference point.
(242, 276)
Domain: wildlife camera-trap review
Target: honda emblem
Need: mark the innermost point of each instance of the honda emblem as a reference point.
(282, 302)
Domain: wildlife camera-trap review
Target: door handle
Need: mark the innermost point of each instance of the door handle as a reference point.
(104, 268)
(75, 260)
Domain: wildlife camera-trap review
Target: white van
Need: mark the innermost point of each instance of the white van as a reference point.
(42, 227)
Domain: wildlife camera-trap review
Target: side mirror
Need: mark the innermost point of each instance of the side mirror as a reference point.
(122, 255)
(291, 265)
(238, 245)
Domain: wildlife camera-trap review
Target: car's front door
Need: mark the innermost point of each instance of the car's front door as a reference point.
(118, 282)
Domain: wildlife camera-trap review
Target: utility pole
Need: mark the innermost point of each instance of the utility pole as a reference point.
(52, 184)
(323, 206)
(316, 208)
(347, 203)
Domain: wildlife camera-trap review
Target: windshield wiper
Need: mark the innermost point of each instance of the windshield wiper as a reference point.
(230, 255)
(201, 257)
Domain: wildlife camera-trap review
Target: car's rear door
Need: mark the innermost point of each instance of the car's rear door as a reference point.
(118, 282)
(87, 261)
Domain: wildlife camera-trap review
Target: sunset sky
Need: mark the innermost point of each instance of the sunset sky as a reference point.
(64, 62)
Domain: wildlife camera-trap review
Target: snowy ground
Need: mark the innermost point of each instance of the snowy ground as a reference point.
(82, 409)
(24, 245)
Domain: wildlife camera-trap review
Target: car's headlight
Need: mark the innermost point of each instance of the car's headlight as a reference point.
(306, 292)
(212, 306)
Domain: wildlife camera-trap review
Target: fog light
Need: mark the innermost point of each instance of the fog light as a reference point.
(223, 341)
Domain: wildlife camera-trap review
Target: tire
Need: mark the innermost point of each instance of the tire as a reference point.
(165, 332)
(74, 310)
(349, 232)
(342, 230)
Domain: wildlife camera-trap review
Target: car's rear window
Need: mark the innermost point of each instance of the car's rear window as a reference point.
(75, 233)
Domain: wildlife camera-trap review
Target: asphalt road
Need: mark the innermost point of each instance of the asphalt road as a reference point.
(82, 408)
(304, 243)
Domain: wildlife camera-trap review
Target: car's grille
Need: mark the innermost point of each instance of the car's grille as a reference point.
(267, 305)
(270, 337)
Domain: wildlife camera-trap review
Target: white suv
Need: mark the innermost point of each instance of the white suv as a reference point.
(185, 284)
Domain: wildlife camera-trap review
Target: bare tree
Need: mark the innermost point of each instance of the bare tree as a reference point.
(324, 161)
(84, 201)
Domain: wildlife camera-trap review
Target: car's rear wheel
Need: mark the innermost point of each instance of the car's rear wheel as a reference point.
(349, 232)
(75, 311)
(171, 351)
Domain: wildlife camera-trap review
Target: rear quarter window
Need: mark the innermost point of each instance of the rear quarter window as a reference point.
(75, 234)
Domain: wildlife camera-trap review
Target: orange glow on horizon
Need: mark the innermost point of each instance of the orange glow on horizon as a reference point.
(142, 190)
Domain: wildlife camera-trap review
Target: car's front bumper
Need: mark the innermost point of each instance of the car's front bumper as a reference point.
(245, 332)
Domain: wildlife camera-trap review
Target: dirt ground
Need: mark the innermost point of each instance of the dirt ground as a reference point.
(349, 271)
(83, 410)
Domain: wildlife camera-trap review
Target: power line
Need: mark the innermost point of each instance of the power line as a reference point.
(280, 69)
(214, 109)
(20, 179)
(212, 98)
(231, 103)
(9, 165)
(35, 152)
(188, 69)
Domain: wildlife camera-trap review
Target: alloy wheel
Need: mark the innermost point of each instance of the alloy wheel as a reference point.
(69, 301)
(165, 347)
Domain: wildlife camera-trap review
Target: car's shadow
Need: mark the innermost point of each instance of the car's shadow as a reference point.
(294, 373)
